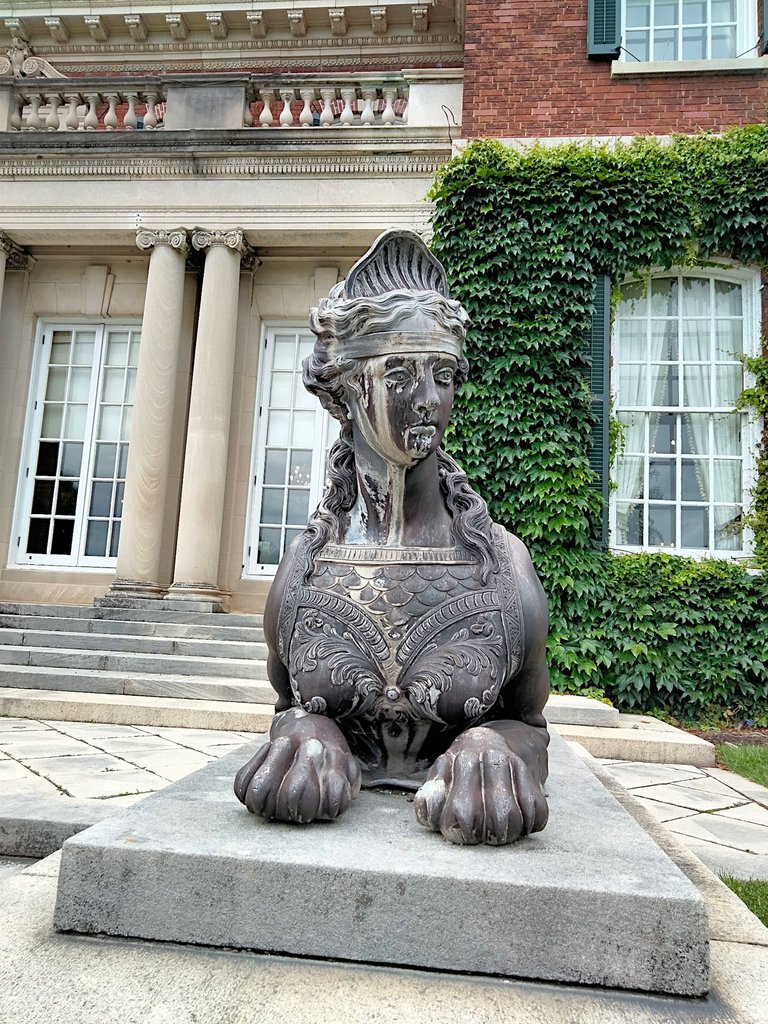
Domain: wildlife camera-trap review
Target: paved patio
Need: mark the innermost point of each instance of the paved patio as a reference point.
(718, 815)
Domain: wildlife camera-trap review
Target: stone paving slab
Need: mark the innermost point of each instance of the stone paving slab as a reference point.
(567, 904)
(698, 795)
(664, 812)
(740, 835)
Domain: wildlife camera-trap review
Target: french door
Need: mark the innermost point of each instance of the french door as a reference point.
(73, 476)
(292, 436)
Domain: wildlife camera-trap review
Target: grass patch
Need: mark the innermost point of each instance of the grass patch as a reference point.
(754, 893)
(749, 761)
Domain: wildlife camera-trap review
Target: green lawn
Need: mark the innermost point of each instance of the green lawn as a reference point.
(754, 893)
(751, 762)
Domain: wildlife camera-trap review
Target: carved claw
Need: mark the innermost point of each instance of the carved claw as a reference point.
(479, 791)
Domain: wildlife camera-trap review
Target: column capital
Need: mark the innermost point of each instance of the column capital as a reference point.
(148, 238)
(202, 238)
(17, 258)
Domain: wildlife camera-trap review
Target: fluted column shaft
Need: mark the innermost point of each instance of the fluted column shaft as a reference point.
(149, 453)
(205, 461)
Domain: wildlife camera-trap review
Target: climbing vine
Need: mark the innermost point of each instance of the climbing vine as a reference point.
(523, 236)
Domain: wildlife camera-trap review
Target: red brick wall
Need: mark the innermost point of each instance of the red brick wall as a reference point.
(527, 74)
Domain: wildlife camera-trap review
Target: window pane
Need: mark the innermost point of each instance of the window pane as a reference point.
(274, 466)
(101, 498)
(52, 420)
(303, 433)
(695, 434)
(634, 431)
(74, 422)
(47, 458)
(71, 460)
(66, 499)
(298, 507)
(37, 540)
(629, 479)
(61, 541)
(301, 468)
(117, 349)
(662, 432)
(694, 44)
(638, 45)
(694, 480)
(281, 390)
(122, 468)
(277, 431)
(723, 10)
(728, 383)
(109, 423)
(117, 510)
(114, 540)
(633, 300)
(60, 347)
(663, 340)
(727, 480)
(664, 292)
(112, 386)
(105, 460)
(694, 528)
(695, 296)
(130, 386)
(82, 351)
(661, 479)
(665, 13)
(631, 341)
(269, 546)
(306, 344)
(661, 525)
(664, 384)
(79, 384)
(133, 359)
(728, 298)
(638, 13)
(96, 539)
(291, 535)
(42, 499)
(728, 339)
(632, 385)
(696, 341)
(285, 353)
(694, 12)
(57, 384)
(125, 432)
(272, 505)
(728, 528)
(728, 434)
(696, 389)
(629, 524)
(724, 45)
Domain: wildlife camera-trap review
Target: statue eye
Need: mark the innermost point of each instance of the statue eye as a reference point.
(444, 376)
(397, 376)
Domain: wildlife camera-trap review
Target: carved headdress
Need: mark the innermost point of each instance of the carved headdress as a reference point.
(394, 299)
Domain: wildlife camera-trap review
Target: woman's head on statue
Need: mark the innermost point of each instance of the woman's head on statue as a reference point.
(388, 354)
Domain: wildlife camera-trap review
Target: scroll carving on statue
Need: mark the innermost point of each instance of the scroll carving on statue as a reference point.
(406, 630)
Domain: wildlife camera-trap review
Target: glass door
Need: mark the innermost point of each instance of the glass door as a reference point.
(293, 433)
(70, 505)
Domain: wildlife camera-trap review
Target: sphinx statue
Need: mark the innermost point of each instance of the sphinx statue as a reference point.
(406, 630)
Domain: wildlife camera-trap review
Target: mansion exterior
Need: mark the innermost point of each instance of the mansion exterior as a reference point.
(179, 185)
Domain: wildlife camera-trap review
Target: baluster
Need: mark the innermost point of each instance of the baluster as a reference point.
(404, 115)
(110, 118)
(347, 118)
(150, 117)
(52, 121)
(91, 121)
(286, 114)
(247, 112)
(265, 117)
(17, 102)
(326, 117)
(388, 117)
(72, 121)
(366, 117)
(34, 121)
(130, 118)
(306, 118)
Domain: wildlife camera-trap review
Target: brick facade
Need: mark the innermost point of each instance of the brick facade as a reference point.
(527, 74)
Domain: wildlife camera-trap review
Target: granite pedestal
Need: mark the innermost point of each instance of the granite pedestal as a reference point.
(591, 900)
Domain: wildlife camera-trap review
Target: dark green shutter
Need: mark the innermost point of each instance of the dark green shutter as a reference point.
(596, 377)
(603, 28)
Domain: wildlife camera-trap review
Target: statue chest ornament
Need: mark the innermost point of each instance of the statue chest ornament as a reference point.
(394, 643)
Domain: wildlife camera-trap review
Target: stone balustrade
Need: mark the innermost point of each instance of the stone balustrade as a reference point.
(37, 104)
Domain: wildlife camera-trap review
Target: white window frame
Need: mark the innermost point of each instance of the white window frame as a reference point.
(17, 556)
(750, 279)
(747, 34)
(252, 568)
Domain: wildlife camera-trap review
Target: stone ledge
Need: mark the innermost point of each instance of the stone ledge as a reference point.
(591, 900)
(647, 69)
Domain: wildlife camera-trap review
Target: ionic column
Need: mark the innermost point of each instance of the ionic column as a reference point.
(13, 257)
(149, 451)
(198, 542)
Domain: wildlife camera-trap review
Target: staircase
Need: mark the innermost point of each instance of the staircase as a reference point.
(134, 666)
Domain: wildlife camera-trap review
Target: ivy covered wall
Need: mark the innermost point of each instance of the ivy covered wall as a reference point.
(524, 236)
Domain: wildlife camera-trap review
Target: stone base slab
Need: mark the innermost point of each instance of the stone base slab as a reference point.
(591, 900)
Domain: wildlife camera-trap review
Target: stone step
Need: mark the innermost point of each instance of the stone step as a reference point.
(642, 738)
(567, 709)
(195, 631)
(120, 683)
(166, 712)
(119, 661)
(154, 614)
(134, 644)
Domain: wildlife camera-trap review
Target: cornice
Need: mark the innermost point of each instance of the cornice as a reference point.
(150, 166)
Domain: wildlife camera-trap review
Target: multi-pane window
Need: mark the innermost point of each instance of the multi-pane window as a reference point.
(292, 439)
(74, 474)
(680, 477)
(661, 30)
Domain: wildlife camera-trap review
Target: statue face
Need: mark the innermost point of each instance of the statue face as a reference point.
(404, 404)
